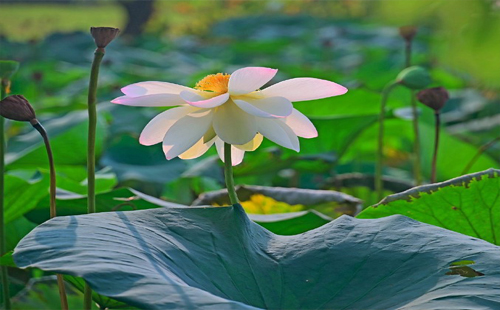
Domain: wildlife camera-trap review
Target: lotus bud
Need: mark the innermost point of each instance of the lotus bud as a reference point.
(17, 108)
(414, 77)
(434, 98)
(103, 35)
(407, 32)
(8, 68)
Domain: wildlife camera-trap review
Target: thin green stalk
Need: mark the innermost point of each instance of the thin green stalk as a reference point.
(92, 110)
(481, 150)
(53, 210)
(436, 145)
(380, 149)
(4, 271)
(417, 170)
(228, 174)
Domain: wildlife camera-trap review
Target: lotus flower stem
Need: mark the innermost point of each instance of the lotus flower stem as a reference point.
(380, 149)
(53, 212)
(228, 174)
(92, 110)
(481, 150)
(4, 271)
(102, 37)
(417, 170)
(436, 145)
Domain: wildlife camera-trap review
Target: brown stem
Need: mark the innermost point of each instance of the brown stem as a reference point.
(436, 145)
(53, 211)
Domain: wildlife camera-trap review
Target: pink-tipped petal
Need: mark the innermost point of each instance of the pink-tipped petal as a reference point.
(278, 132)
(200, 102)
(249, 79)
(158, 100)
(197, 150)
(272, 107)
(302, 89)
(184, 133)
(301, 125)
(236, 154)
(233, 125)
(153, 88)
(156, 129)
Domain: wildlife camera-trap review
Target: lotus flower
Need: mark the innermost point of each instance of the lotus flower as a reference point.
(227, 108)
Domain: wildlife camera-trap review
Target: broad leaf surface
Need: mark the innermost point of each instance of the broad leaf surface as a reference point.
(216, 258)
(469, 205)
(21, 196)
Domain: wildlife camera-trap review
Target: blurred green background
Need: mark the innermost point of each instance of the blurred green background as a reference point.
(354, 43)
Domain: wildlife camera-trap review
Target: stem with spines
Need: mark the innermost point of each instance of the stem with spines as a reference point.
(53, 211)
(436, 145)
(380, 148)
(92, 111)
(417, 170)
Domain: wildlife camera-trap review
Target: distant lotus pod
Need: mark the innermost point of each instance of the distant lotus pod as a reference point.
(103, 35)
(17, 108)
(414, 77)
(435, 98)
(407, 32)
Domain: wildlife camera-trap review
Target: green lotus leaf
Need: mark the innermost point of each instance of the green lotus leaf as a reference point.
(469, 204)
(216, 258)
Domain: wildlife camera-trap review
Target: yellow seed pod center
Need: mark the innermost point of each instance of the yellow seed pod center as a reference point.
(217, 83)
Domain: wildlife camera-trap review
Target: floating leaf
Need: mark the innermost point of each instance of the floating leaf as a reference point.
(469, 204)
(216, 258)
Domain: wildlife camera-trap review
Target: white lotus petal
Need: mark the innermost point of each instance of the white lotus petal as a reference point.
(158, 100)
(153, 88)
(198, 149)
(156, 129)
(236, 154)
(252, 145)
(302, 89)
(204, 102)
(271, 107)
(301, 125)
(209, 135)
(233, 125)
(278, 132)
(184, 133)
(249, 79)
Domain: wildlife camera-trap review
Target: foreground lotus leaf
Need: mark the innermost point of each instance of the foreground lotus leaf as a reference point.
(216, 258)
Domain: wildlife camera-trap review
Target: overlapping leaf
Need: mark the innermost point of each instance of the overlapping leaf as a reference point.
(469, 205)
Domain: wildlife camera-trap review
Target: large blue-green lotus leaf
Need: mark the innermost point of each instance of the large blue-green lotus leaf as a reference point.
(216, 258)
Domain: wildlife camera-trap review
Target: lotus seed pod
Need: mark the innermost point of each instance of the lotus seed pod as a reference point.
(414, 77)
(435, 98)
(407, 32)
(103, 35)
(17, 108)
